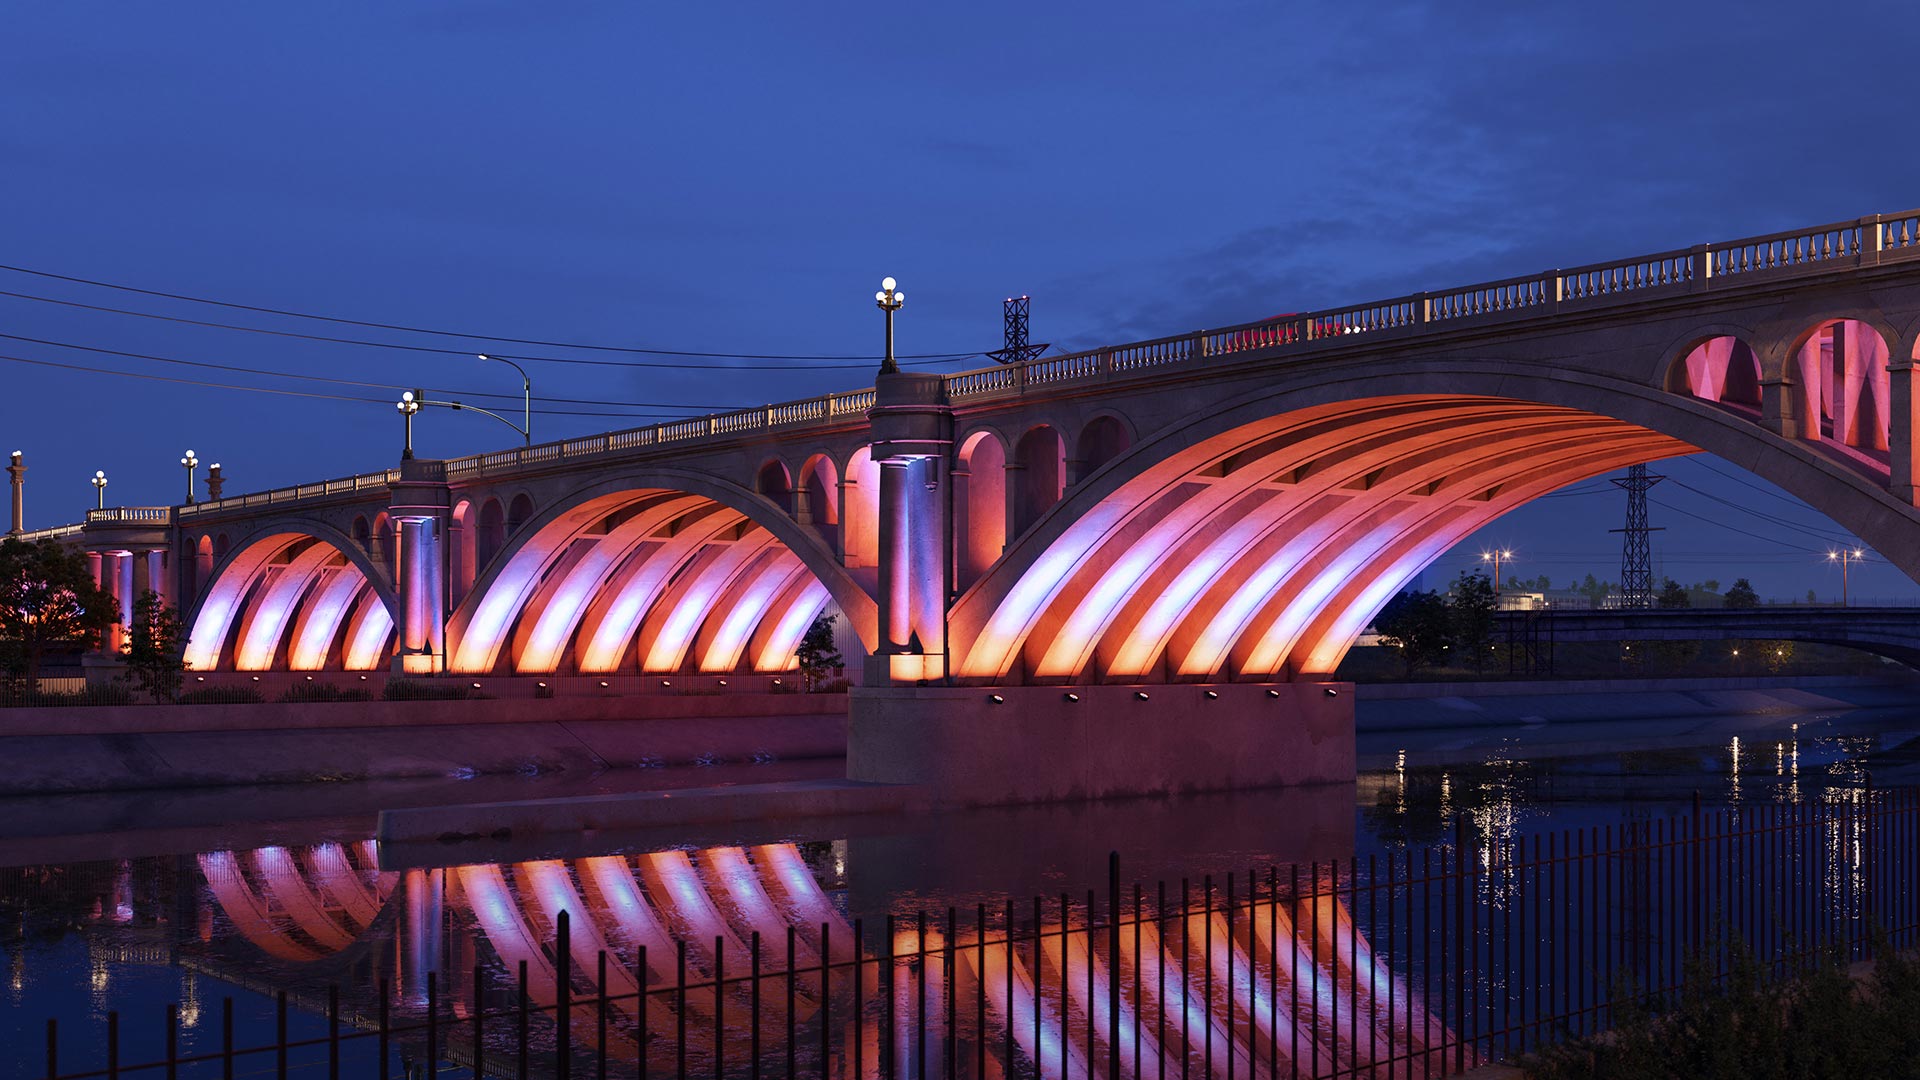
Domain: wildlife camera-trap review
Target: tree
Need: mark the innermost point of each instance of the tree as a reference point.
(1595, 591)
(817, 654)
(1742, 595)
(1417, 623)
(1470, 616)
(47, 595)
(155, 647)
(1674, 595)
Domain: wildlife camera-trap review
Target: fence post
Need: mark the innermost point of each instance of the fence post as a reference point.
(1699, 268)
(1459, 943)
(1871, 234)
(1113, 965)
(563, 994)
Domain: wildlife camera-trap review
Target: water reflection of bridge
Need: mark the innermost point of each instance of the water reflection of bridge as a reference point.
(733, 952)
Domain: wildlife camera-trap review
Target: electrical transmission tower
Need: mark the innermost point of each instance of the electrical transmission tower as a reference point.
(1636, 550)
(1014, 318)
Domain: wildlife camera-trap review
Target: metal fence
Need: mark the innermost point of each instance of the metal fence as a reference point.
(1409, 964)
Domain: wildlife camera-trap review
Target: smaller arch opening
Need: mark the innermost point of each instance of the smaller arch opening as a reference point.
(363, 533)
(774, 482)
(490, 533)
(519, 512)
(980, 528)
(817, 495)
(1841, 369)
(1720, 369)
(1103, 439)
(1036, 477)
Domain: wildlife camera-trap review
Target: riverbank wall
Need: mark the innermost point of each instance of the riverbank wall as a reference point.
(1383, 707)
(133, 747)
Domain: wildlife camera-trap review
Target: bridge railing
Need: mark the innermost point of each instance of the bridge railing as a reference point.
(57, 532)
(1797, 252)
(131, 515)
(299, 492)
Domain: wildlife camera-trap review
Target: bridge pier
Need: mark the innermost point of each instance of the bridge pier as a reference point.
(912, 438)
(419, 509)
(983, 745)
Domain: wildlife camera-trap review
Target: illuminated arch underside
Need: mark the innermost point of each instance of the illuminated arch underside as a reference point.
(295, 601)
(648, 580)
(1266, 550)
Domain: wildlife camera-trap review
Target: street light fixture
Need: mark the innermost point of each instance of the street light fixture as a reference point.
(526, 390)
(1844, 557)
(408, 406)
(890, 300)
(189, 462)
(1494, 557)
(100, 485)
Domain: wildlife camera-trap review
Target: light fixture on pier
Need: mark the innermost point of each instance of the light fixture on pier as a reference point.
(890, 299)
(190, 463)
(408, 405)
(100, 485)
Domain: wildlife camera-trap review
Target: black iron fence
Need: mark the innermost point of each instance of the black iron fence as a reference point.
(1408, 964)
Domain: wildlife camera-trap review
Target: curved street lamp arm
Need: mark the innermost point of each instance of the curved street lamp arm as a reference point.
(457, 406)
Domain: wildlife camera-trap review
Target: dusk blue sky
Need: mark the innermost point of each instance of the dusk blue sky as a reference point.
(737, 179)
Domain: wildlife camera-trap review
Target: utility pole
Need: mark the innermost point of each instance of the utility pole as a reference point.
(1636, 549)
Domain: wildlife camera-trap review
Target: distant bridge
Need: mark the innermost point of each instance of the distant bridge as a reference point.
(1890, 632)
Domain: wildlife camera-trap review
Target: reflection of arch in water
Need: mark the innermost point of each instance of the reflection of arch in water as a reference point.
(1197, 988)
(301, 904)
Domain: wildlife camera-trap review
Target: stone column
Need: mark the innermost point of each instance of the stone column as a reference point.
(143, 580)
(1903, 435)
(896, 571)
(848, 493)
(958, 514)
(157, 577)
(802, 504)
(420, 584)
(1016, 493)
(931, 554)
(1780, 409)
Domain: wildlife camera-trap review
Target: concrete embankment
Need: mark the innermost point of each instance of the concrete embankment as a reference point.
(123, 748)
(1437, 706)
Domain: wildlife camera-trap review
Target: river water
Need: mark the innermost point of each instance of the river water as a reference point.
(126, 904)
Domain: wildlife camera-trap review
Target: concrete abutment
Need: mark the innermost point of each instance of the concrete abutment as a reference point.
(981, 746)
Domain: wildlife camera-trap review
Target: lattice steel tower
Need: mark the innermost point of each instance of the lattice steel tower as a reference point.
(1636, 550)
(1014, 319)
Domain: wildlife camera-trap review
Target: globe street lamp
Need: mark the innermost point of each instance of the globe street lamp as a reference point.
(100, 485)
(189, 462)
(890, 300)
(408, 406)
(526, 391)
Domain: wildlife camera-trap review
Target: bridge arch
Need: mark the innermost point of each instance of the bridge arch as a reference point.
(296, 593)
(656, 567)
(1261, 536)
(1839, 366)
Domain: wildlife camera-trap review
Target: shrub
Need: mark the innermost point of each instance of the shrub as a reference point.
(319, 691)
(1742, 1025)
(110, 694)
(429, 690)
(222, 695)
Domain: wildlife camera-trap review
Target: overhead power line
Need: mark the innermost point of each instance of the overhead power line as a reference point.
(242, 369)
(294, 393)
(402, 328)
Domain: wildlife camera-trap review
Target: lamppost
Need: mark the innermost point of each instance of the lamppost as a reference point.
(526, 390)
(189, 462)
(408, 406)
(1843, 558)
(890, 300)
(1494, 557)
(100, 486)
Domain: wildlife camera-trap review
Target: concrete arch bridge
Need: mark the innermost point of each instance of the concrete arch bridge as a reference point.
(1206, 519)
